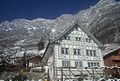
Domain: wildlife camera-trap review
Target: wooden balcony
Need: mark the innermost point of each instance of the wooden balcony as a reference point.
(116, 58)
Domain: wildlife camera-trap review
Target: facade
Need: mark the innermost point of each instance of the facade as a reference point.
(112, 61)
(74, 54)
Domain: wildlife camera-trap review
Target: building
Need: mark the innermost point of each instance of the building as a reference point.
(34, 61)
(73, 55)
(112, 60)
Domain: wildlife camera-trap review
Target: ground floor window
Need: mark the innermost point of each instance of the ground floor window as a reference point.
(66, 63)
(93, 64)
(78, 64)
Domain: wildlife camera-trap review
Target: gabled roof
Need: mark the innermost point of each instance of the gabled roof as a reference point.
(100, 45)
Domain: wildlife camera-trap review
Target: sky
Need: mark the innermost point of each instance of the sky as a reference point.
(49, 9)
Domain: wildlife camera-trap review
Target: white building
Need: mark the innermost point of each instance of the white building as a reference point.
(73, 54)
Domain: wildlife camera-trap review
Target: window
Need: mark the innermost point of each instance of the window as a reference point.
(91, 52)
(76, 51)
(88, 40)
(89, 64)
(87, 52)
(98, 64)
(66, 63)
(93, 64)
(94, 52)
(78, 38)
(64, 50)
(67, 37)
(78, 64)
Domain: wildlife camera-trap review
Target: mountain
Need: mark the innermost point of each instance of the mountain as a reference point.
(102, 20)
(25, 34)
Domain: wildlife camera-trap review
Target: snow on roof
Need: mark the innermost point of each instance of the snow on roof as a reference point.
(110, 48)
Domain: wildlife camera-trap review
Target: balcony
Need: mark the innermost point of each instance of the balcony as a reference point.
(116, 58)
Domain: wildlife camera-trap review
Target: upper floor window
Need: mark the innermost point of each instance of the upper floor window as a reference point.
(91, 52)
(78, 64)
(66, 63)
(88, 40)
(78, 38)
(76, 51)
(67, 37)
(94, 52)
(87, 52)
(64, 50)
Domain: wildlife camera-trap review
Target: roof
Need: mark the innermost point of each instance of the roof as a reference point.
(48, 52)
(110, 48)
(34, 57)
(100, 45)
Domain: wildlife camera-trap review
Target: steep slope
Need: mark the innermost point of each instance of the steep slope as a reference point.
(26, 34)
(102, 20)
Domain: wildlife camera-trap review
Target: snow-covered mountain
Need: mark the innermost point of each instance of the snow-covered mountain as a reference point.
(102, 20)
(26, 34)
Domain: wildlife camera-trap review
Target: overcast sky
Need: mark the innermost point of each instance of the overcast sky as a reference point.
(31, 9)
